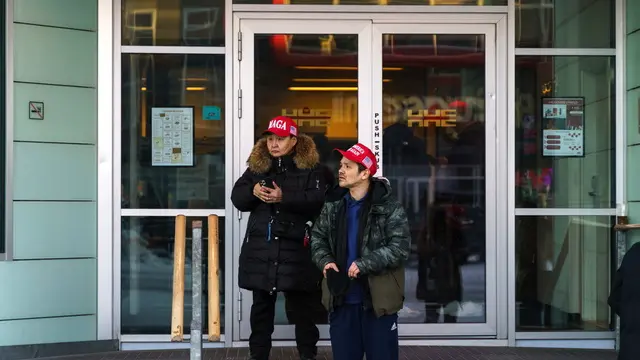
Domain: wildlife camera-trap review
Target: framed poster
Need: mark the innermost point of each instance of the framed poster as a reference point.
(173, 136)
(563, 126)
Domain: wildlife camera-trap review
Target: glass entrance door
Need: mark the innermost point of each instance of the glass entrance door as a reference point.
(319, 74)
(433, 131)
(423, 96)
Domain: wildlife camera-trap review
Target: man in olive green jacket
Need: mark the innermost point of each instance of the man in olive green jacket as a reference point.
(361, 241)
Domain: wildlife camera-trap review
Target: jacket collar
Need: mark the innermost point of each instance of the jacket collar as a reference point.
(379, 193)
(305, 156)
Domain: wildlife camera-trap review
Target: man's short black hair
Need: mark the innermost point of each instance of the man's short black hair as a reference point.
(361, 167)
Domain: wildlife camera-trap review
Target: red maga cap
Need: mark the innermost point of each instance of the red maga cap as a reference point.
(362, 155)
(282, 126)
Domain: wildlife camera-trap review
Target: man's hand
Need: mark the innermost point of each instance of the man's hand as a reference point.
(329, 266)
(353, 270)
(273, 195)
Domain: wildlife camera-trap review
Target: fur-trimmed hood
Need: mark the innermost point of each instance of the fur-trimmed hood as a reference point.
(306, 155)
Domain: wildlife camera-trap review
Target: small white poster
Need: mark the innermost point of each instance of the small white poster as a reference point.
(172, 130)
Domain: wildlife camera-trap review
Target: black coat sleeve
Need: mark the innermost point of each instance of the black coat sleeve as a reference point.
(242, 194)
(615, 298)
(310, 199)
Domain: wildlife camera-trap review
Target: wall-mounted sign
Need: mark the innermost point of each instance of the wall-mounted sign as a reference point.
(563, 126)
(211, 113)
(172, 130)
(36, 110)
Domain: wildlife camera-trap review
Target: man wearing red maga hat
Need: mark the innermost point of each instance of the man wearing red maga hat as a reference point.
(284, 188)
(361, 241)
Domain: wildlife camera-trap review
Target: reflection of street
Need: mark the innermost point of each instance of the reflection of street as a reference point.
(473, 295)
(147, 279)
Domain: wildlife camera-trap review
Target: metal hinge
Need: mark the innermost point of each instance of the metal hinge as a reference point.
(239, 103)
(240, 306)
(239, 45)
(239, 215)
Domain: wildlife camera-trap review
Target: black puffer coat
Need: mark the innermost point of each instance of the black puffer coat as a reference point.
(280, 259)
(625, 302)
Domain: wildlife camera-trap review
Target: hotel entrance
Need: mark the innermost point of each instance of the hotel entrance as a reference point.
(428, 94)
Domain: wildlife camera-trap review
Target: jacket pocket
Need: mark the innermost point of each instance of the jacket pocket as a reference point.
(289, 229)
(387, 292)
(252, 223)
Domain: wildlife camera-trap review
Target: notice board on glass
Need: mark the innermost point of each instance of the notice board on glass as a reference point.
(173, 136)
(563, 126)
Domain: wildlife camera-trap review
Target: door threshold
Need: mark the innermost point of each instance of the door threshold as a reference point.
(405, 342)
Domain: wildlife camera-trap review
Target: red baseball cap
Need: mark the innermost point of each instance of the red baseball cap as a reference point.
(362, 155)
(282, 126)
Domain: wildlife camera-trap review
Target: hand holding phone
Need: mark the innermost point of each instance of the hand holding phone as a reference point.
(271, 191)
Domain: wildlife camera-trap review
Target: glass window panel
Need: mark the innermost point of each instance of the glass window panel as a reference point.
(563, 273)
(147, 274)
(314, 80)
(173, 23)
(155, 80)
(587, 178)
(377, 2)
(3, 119)
(434, 156)
(565, 23)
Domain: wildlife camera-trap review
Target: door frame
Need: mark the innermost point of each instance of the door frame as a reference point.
(488, 328)
(368, 26)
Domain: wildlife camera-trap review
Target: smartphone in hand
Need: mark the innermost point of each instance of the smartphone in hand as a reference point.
(268, 183)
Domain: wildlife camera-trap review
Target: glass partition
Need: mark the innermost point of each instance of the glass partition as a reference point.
(434, 155)
(377, 2)
(147, 252)
(565, 132)
(565, 23)
(173, 23)
(563, 273)
(159, 80)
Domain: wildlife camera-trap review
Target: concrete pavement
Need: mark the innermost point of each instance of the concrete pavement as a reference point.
(406, 353)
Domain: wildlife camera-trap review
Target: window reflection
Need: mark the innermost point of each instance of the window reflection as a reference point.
(172, 80)
(147, 274)
(3, 119)
(565, 24)
(568, 181)
(181, 22)
(434, 156)
(563, 273)
(312, 78)
(377, 2)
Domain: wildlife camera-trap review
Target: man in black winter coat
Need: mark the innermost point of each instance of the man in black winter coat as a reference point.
(283, 188)
(625, 302)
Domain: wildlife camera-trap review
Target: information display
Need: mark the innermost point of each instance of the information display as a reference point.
(172, 129)
(563, 127)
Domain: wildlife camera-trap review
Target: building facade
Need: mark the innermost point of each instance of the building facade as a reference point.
(507, 128)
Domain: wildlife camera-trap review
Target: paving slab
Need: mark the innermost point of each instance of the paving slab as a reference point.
(406, 353)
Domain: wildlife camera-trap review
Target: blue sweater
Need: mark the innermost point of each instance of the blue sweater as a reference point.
(354, 212)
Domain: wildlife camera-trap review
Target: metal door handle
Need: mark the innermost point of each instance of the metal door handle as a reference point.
(623, 224)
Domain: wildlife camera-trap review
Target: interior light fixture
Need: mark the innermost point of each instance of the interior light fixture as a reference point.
(144, 88)
(342, 68)
(331, 80)
(196, 88)
(321, 88)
